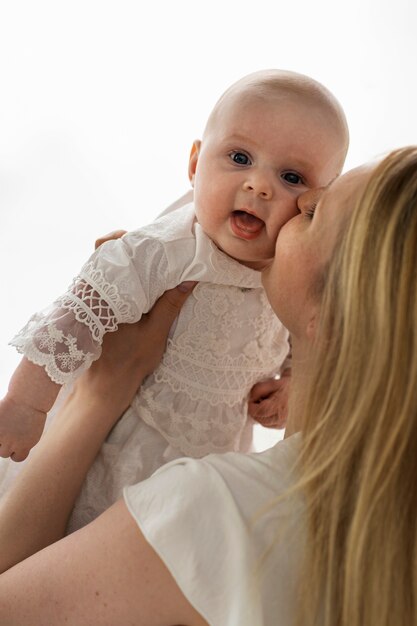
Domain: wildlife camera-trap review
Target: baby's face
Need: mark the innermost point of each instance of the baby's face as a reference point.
(254, 161)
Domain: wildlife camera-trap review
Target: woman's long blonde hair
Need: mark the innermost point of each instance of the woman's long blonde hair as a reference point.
(359, 453)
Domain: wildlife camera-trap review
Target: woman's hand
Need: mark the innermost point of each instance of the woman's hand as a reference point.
(133, 352)
(115, 234)
(56, 469)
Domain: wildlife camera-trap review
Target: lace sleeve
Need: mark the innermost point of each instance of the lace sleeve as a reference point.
(67, 337)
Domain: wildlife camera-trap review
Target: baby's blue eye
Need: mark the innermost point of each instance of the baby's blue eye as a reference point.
(292, 178)
(240, 158)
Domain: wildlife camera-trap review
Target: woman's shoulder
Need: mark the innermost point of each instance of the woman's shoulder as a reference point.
(257, 476)
(214, 523)
(233, 475)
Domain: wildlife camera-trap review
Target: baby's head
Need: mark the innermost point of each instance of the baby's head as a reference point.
(271, 136)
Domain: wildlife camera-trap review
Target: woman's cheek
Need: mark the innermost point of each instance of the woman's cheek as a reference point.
(272, 284)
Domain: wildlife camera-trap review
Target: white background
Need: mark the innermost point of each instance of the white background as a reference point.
(100, 102)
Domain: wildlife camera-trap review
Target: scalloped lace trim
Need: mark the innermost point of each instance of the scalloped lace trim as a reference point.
(96, 303)
(96, 278)
(66, 338)
(56, 352)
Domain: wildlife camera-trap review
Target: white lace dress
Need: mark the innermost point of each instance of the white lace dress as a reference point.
(225, 339)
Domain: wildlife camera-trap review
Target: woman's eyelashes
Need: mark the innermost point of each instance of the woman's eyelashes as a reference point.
(309, 213)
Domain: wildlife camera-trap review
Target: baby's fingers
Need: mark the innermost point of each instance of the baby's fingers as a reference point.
(5, 450)
(268, 414)
(115, 234)
(270, 411)
(20, 454)
(15, 450)
(263, 389)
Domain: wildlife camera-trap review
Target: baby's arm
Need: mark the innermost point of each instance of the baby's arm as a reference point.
(23, 410)
(268, 401)
(113, 287)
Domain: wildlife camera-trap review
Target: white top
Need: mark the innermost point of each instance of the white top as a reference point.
(234, 554)
(225, 339)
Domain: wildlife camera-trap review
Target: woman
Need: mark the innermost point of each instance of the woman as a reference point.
(320, 529)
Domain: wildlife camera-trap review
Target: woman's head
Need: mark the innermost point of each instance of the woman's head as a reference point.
(368, 309)
(359, 456)
(295, 278)
(371, 295)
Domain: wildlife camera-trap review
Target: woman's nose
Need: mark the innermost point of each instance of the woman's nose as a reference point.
(258, 185)
(309, 198)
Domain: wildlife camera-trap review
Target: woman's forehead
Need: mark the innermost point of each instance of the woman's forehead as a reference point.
(336, 205)
(349, 185)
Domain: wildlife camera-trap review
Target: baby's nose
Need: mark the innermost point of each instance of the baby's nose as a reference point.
(259, 186)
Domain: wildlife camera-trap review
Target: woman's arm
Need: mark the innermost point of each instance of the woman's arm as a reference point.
(34, 513)
(104, 574)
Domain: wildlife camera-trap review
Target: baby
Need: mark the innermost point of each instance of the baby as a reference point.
(271, 135)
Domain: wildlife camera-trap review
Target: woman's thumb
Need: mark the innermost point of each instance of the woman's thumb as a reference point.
(167, 308)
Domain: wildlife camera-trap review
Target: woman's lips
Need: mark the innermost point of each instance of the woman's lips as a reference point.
(245, 225)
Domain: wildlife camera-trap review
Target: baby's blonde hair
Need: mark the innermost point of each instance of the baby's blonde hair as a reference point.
(358, 462)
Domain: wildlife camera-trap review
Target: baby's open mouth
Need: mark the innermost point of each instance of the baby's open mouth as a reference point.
(246, 225)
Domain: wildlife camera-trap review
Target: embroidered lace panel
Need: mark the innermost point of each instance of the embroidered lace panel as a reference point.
(226, 340)
(66, 338)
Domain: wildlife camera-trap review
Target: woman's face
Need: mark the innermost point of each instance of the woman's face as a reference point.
(304, 246)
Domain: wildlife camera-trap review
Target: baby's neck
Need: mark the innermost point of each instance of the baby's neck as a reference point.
(253, 265)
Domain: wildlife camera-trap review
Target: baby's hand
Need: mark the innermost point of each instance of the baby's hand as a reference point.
(268, 402)
(23, 411)
(20, 429)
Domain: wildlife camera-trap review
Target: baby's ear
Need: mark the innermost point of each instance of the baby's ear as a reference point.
(192, 165)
